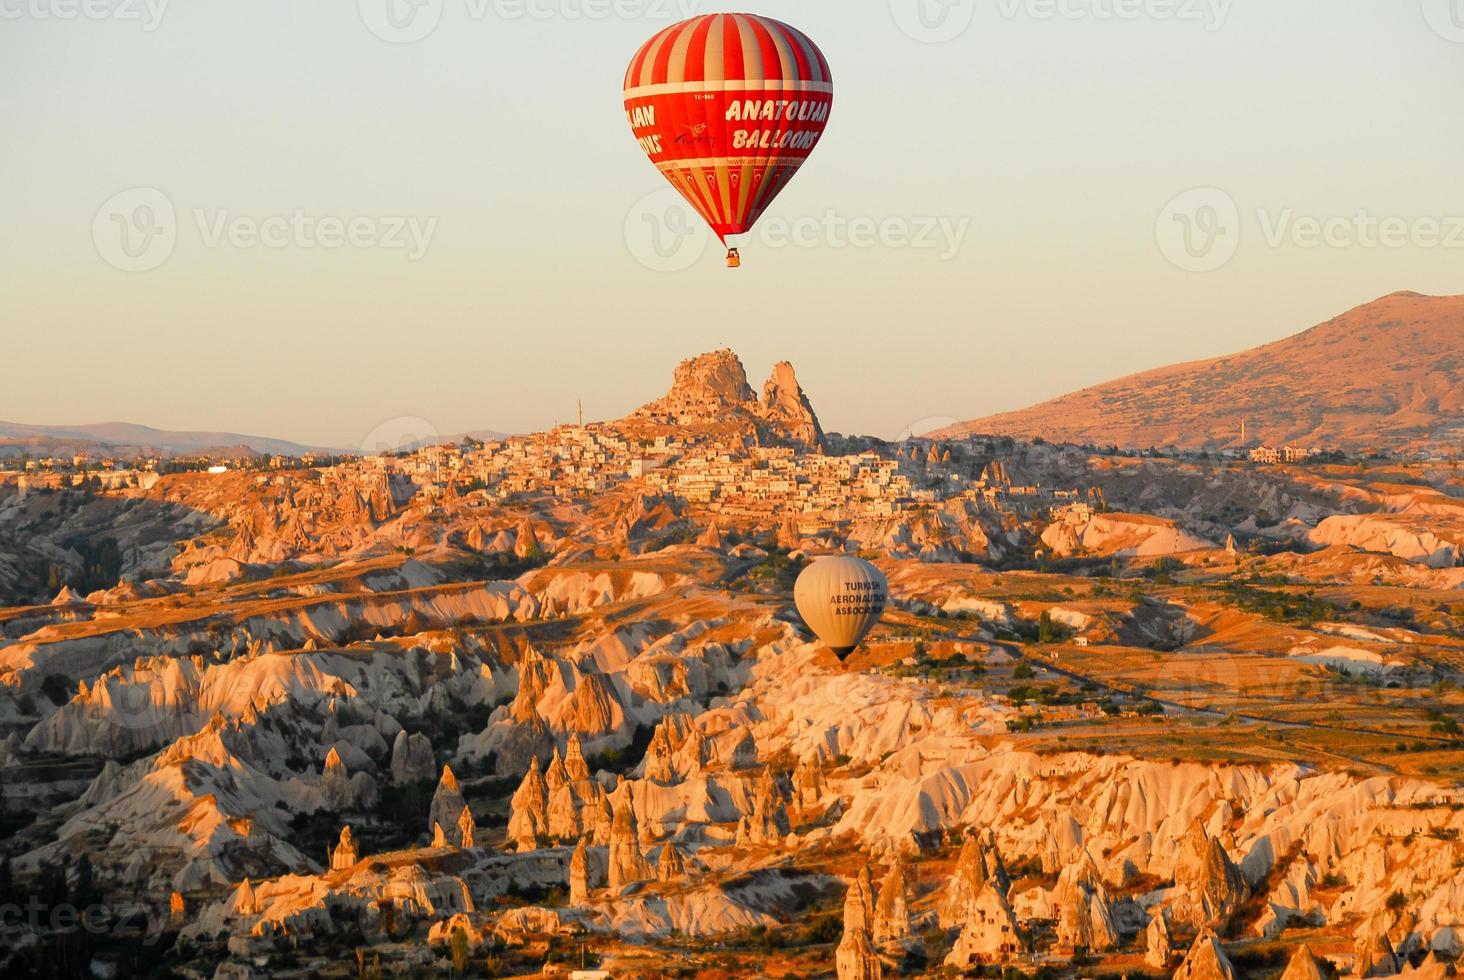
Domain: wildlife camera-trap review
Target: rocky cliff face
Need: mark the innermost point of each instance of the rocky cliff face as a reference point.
(712, 391)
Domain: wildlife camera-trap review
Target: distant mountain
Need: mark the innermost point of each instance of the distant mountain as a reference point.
(1386, 375)
(126, 436)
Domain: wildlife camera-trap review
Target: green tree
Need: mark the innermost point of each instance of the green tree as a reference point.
(85, 889)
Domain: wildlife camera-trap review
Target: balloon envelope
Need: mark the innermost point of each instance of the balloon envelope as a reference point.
(728, 107)
(841, 599)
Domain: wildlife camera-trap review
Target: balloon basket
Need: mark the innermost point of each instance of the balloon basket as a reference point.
(734, 259)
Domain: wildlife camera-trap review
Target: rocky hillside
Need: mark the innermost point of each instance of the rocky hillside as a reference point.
(1389, 374)
(711, 392)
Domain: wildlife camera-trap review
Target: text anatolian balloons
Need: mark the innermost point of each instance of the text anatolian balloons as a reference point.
(728, 107)
(841, 599)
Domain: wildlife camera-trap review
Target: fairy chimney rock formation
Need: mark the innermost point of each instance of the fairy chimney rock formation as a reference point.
(1304, 965)
(989, 931)
(978, 864)
(628, 863)
(467, 829)
(1085, 918)
(809, 784)
(1209, 884)
(335, 782)
(344, 854)
(579, 874)
(855, 957)
(411, 759)
(448, 806)
(1206, 960)
(1158, 944)
(528, 819)
(891, 927)
(574, 761)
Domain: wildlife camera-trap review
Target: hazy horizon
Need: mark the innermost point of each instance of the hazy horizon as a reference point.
(504, 275)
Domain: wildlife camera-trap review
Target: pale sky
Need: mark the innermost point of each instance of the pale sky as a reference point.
(1036, 152)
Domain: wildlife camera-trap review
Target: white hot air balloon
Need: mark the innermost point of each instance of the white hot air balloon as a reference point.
(841, 599)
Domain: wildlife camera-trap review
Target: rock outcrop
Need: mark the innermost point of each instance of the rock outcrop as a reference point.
(1210, 887)
(670, 865)
(891, 928)
(785, 405)
(1206, 960)
(579, 874)
(467, 830)
(628, 863)
(1304, 965)
(343, 855)
(1084, 916)
(1375, 956)
(528, 820)
(448, 807)
(855, 957)
(809, 783)
(989, 931)
(978, 866)
(335, 782)
(1158, 944)
(768, 823)
(711, 390)
(411, 759)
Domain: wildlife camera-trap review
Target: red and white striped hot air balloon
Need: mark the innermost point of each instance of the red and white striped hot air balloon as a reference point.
(728, 107)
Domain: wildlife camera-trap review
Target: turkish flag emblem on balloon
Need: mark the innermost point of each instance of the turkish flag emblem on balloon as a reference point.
(728, 107)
